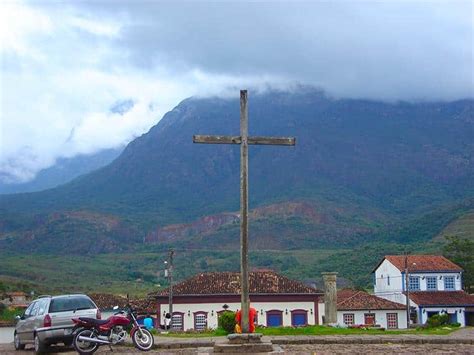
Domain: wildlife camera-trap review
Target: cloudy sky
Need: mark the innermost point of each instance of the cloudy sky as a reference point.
(80, 76)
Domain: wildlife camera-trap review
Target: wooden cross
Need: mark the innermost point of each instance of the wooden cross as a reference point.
(244, 140)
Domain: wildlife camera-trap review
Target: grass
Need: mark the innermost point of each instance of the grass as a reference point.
(318, 330)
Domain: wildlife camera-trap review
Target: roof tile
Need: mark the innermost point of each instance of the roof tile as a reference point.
(360, 300)
(442, 298)
(420, 263)
(219, 283)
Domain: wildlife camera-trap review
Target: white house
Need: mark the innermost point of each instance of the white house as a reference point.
(279, 301)
(434, 286)
(358, 308)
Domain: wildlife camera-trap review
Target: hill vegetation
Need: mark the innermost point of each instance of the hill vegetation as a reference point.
(365, 178)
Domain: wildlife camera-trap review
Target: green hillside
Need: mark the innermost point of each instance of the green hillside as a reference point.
(365, 178)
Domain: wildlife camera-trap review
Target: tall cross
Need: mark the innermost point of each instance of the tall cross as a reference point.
(244, 140)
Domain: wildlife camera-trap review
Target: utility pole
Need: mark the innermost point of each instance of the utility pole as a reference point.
(170, 279)
(407, 290)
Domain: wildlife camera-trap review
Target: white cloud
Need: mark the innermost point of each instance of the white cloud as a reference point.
(64, 65)
(18, 24)
(94, 27)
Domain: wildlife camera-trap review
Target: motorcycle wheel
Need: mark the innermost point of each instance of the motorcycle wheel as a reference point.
(144, 341)
(85, 347)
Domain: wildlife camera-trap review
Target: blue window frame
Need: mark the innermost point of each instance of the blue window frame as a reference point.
(431, 283)
(414, 283)
(299, 317)
(274, 318)
(449, 283)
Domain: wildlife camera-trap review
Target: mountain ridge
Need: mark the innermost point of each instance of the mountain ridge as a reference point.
(396, 160)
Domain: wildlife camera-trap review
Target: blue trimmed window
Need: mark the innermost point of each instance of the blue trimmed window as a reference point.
(274, 318)
(431, 283)
(414, 283)
(449, 283)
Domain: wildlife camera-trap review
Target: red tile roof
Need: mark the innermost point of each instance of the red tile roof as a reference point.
(107, 301)
(420, 263)
(228, 283)
(360, 300)
(442, 298)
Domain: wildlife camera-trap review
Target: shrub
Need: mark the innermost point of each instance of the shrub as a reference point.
(3, 307)
(226, 321)
(437, 320)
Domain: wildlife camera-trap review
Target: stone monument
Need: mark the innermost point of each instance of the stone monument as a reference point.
(330, 298)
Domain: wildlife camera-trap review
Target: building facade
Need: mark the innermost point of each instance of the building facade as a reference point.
(357, 308)
(434, 286)
(278, 300)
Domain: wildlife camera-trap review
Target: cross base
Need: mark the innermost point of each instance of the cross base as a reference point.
(243, 338)
(250, 343)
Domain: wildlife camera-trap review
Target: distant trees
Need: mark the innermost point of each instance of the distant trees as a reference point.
(461, 251)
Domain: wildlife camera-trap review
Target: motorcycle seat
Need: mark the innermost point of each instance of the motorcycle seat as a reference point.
(93, 320)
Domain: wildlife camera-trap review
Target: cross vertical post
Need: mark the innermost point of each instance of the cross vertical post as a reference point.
(244, 140)
(244, 204)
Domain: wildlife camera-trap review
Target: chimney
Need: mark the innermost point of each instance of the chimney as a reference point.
(330, 298)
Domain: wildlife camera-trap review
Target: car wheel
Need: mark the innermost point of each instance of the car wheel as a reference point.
(40, 347)
(17, 342)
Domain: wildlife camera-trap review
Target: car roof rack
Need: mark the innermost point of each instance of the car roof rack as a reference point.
(44, 296)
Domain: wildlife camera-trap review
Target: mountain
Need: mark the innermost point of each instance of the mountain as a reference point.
(362, 173)
(63, 171)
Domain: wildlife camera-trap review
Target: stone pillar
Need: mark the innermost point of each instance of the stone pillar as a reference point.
(330, 298)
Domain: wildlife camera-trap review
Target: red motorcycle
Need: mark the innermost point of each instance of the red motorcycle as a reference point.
(90, 333)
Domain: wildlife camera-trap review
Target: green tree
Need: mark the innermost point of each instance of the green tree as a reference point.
(461, 251)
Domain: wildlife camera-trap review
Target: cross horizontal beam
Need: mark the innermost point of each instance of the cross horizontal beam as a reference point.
(256, 140)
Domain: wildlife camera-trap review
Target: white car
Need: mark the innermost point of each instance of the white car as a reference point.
(48, 320)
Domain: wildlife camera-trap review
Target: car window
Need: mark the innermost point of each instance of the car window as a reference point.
(42, 304)
(34, 310)
(70, 303)
(28, 310)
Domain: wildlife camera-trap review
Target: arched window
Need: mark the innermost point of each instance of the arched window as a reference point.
(177, 321)
(299, 317)
(274, 318)
(200, 320)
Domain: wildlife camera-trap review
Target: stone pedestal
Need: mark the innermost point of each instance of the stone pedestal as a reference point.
(330, 298)
(244, 343)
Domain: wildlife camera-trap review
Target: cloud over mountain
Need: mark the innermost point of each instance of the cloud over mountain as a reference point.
(64, 67)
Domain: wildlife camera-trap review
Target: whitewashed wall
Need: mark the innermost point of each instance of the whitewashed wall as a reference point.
(213, 308)
(387, 271)
(380, 317)
(321, 309)
(384, 272)
(439, 280)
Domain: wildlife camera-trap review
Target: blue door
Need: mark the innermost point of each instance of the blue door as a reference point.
(274, 320)
(453, 318)
(299, 319)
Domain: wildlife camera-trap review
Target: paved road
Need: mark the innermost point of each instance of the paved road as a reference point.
(323, 349)
(320, 349)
